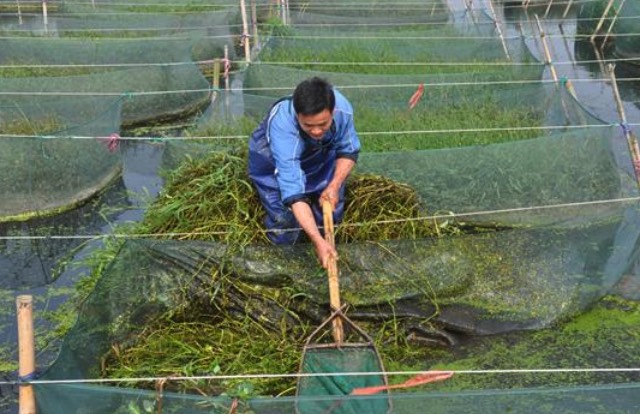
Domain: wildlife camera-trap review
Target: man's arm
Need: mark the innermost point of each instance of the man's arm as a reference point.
(343, 169)
(302, 212)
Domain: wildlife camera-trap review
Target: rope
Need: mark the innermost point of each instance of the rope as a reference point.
(449, 215)
(362, 134)
(368, 86)
(323, 374)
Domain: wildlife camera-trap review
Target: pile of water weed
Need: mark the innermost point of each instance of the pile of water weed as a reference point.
(212, 198)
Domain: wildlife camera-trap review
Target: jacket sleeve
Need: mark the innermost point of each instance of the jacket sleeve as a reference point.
(286, 148)
(347, 141)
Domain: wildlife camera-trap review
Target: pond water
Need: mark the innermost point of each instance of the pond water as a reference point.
(32, 253)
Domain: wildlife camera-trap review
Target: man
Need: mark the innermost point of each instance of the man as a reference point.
(301, 154)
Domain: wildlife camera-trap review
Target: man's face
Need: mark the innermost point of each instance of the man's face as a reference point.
(316, 125)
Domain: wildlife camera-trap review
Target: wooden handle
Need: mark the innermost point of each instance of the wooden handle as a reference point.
(334, 284)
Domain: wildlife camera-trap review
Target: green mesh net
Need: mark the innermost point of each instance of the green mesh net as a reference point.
(45, 169)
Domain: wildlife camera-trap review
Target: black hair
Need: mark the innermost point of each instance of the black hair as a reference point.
(313, 96)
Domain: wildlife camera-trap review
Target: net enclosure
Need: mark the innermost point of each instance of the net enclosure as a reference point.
(526, 218)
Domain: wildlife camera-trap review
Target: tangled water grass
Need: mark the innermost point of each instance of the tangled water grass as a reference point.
(212, 198)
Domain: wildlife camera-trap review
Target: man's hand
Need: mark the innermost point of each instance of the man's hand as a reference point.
(331, 194)
(325, 252)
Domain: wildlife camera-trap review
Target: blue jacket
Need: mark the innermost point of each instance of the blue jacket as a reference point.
(283, 157)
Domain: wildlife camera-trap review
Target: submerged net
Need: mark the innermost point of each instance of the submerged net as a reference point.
(526, 216)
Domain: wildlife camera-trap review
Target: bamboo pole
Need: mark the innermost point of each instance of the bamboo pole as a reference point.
(283, 12)
(601, 21)
(497, 25)
(254, 25)
(215, 80)
(545, 47)
(632, 142)
(245, 32)
(546, 12)
(227, 64)
(45, 16)
(566, 10)
(613, 21)
(26, 353)
(468, 5)
(19, 13)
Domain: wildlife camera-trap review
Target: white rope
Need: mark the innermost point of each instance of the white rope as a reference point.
(324, 375)
(368, 86)
(448, 216)
(362, 134)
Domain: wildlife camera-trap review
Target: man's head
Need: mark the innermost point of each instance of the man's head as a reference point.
(314, 101)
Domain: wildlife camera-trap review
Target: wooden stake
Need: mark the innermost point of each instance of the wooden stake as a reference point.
(497, 25)
(546, 12)
(601, 22)
(545, 47)
(566, 10)
(613, 21)
(26, 353)
(19, 13)
(632, 142)
(245, 32)
(215, 80)
(254, 25)
(45, 17)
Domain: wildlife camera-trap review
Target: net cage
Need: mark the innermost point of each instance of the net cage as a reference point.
(45, 168)
(544, 191)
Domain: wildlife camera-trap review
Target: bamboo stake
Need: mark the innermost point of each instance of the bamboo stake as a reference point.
(45, 17)
(613, 21)
(468, 4)
(245, 32)
(215, 81)
(283, 13)
(254, 25)
(226, 78)
(26, 352)
(632, 142)
(546, 12)
(566, 10)
(601, 22)
(19, 13)
(545, 47)
(497, 25)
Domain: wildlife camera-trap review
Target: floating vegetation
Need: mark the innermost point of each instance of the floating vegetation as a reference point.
(24, 126)
(212, 198)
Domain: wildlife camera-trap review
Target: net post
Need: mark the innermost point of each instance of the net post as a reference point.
(613, 21)
(601, 21)
(566, 10)
(215, 81)
(19, 13)
(254, 25)
(26, 353)
(545, 47)
(497, 25)
(45, 18)
(546, 12)
(245, 32)
(632, 142)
